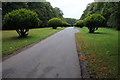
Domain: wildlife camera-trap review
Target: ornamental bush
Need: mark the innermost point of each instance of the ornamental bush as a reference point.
(55, 22)
(93, 22)
(79, 23)
(21, 20)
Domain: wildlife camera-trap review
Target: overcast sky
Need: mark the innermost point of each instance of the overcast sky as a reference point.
(71, 8)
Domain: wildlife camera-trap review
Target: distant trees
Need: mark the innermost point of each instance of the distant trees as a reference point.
(110, 10)
(21, 20)
(65, 24)
(45, 11)
(71, 21)
(93, 22)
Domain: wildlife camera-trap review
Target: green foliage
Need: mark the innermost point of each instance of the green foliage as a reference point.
(110, 10)
(55, 22)
(21, 20)
(9, 6)
(70, 20)
(44, 10)
(58, 12)
(79, 23)
(114, 20)
(93, 22)
(65, 24)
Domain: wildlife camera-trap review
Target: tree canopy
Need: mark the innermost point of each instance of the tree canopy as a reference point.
(44, 10)
(21, 20)
(55, 22)
(93, 22)
(110, 10)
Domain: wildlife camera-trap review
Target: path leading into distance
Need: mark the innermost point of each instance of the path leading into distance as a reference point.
(54, 57)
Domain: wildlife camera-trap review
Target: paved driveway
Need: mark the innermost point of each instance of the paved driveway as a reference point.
(54, 57)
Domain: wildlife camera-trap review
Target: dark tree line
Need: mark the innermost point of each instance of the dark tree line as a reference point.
(71, 21)
(44, 10)
(110, 10)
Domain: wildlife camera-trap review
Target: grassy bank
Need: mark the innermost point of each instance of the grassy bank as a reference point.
(101, 50)
(11, 42)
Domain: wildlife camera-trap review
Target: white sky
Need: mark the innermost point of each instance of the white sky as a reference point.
(71, 8)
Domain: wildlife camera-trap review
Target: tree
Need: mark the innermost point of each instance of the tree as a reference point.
(93, 22)
(21, 20)
(114, 20)
(9, 6)
(55, 22)
(58, 12)
(70, 20)
(44, 10)
(79, 23)
(110, 11)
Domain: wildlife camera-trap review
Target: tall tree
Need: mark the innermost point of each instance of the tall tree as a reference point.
(107, 9)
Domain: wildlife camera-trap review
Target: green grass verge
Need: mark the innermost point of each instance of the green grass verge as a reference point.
(11, 42)
(101, 50)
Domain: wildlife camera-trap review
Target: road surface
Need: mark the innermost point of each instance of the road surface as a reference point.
(54, 57)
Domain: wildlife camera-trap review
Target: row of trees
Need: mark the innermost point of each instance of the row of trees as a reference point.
(44, 10)
(24, 16)
(110, 11)
(22, 20)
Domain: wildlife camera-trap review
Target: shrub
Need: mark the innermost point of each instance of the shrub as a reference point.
(79, 23)
(93, 22)
(21, 20)
(55, 22)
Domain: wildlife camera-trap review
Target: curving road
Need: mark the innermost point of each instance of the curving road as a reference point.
(54, 57)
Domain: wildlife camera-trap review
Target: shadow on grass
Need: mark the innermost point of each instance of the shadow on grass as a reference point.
(100, 33)
(20, 38)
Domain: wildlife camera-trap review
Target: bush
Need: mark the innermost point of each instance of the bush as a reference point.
(55, 22)
(21, 20)
(93, 22)
(79, 23)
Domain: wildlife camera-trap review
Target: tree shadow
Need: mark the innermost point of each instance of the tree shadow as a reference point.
(20, 38)
(100, 33)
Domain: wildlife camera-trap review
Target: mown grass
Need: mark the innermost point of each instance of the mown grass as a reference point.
(101, 50)
(11, 42)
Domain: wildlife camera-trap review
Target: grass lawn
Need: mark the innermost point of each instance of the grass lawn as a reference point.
(101, 50)
(11, 42)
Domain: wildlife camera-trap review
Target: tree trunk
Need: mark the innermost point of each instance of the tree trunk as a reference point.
(91, 30)
(22, 32)
(54, 27)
